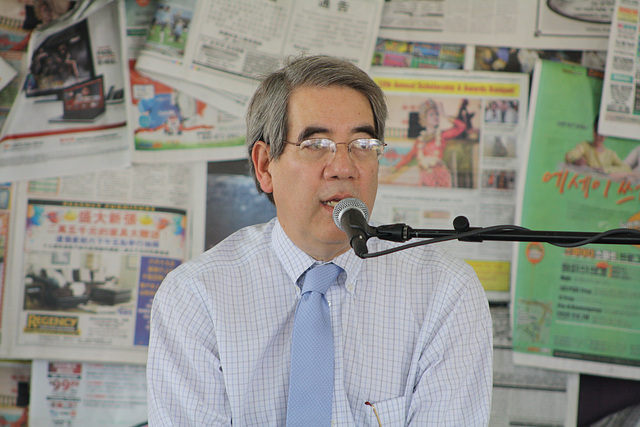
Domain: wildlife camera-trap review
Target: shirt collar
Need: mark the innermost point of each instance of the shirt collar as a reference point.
(296, 262)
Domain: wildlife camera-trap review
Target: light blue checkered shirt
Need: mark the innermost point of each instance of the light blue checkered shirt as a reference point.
(412, 335)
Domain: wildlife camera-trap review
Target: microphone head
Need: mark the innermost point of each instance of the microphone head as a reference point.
(346, 204)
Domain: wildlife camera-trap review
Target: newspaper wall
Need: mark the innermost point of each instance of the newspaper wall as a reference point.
(90, 252)
(620, 107)
(223, 47)
(468, 164)
(576, 309)
(70, 113)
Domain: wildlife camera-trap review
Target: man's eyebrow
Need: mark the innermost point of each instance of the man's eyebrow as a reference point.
(366, 129)
(312, 130)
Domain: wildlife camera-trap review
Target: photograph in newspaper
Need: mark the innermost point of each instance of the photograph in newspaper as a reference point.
(170, 27)
(70, 112)
(576, 308)
(76, 394)
(15, 380)
(454, 148)
(91, 259)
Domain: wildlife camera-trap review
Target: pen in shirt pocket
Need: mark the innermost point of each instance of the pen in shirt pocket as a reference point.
(374, 411)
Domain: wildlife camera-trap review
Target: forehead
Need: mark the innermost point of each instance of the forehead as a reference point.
(332, 106)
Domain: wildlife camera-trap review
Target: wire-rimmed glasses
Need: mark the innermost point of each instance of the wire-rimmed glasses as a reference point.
(360, 149)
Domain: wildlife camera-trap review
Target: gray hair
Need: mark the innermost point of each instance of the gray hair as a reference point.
(267, 115)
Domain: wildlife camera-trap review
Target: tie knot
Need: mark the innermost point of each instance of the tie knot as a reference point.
(319, 277)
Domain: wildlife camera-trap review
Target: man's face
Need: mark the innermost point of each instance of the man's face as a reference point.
(304, 192)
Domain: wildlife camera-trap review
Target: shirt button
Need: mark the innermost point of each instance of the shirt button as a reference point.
(350, 287)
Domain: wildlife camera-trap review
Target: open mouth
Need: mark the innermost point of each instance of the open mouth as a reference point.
(330, 203)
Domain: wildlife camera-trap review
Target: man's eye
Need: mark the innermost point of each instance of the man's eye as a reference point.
(315, 144)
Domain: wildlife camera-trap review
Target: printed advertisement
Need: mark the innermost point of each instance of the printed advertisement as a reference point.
(454, 149)
(70, 113)
(77, 394)
(576, 308)
(620, 107)
(90, 261)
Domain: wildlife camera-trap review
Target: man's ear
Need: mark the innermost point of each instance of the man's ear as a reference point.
(261, 161)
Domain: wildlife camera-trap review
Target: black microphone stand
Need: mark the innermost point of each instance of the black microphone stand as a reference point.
(512, 233)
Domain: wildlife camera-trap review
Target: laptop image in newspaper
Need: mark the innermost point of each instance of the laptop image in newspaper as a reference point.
(82, 102)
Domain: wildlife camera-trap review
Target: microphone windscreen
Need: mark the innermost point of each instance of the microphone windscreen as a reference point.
(346, 204)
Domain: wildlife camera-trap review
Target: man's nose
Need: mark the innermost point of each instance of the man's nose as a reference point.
(341, 164)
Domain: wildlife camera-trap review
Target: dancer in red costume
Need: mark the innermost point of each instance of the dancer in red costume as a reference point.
(429, 146)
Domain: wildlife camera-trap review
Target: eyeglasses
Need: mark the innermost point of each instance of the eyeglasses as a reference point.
(361, 150)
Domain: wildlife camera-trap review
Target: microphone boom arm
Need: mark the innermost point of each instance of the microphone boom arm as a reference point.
(512, 233)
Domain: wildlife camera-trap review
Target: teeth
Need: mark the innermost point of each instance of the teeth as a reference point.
(331, 203)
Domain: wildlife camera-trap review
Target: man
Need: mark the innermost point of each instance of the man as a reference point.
(411, 330)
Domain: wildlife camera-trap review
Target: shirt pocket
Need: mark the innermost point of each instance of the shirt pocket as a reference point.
(391, 412)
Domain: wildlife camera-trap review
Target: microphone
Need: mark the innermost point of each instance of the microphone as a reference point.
(350, 216)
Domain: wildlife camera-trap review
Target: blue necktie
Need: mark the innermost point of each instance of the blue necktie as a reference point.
(311, 382)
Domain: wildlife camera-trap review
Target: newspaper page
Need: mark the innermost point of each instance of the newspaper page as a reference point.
(538, 24)
(7, 193)
(527, 396)
(620, 107)
(68, 115)
(168, 124)
(14, 393)
(78, 394)
(454, 149)
(576, 309)
(90, 253)
(9, 93)
(228, 45)
(7, 73)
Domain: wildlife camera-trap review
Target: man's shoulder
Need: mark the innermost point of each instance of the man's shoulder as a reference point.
(426, 258)
(242, 249)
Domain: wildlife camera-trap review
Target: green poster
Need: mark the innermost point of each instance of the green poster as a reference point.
(576, 308)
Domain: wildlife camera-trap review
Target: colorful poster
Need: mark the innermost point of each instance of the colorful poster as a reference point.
(576, 309)
(454, 148)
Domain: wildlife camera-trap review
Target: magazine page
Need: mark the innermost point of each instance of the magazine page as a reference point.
(77, 394)
(93, 250)
(537, 24)
(620, 106)
(70, 113)
(229, 45)
(576, 308)
(454, 149)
